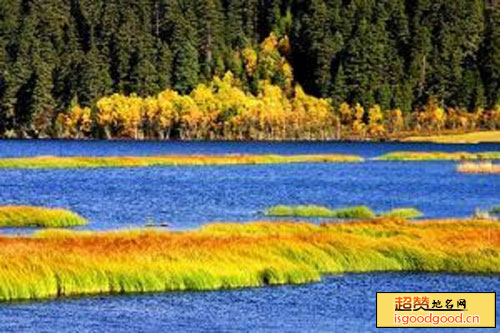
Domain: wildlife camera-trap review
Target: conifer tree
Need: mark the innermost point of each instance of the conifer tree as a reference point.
(185, 65)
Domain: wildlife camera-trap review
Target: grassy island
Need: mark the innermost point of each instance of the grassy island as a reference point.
(473, 137)
(354, 212)
(438, 156)
(168, 160)
(55, 263)
(358, 212)
(33, 216)
(403, 213)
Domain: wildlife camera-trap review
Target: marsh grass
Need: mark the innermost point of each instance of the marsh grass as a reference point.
(300, 211)
(474, 137)
(32, 216)
(355, 212)
(436, 156)
(172, 160)
(481, 167)
(234, 255)
(403, 213)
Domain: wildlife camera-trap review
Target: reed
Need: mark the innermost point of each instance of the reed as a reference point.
(32, 216)
(482, 167)
(437, 155)
(403, 213)
(55, 263)
(168, 160)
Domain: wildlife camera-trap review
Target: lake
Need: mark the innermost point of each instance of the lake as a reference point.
(187, 197)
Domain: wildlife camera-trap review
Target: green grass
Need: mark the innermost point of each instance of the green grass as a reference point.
(51, 162)
(360, 212)
(438, 156)
(355, 212)
(299, 211)
(31, 216)
(404, 213)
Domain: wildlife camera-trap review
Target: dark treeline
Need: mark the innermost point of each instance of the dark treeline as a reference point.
(394, 53)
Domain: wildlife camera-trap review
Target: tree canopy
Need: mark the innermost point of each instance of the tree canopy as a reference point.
(393, 59)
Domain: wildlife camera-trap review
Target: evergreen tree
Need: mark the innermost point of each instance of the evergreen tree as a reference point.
(358, 67)
(490, 54)
(210, 35)
(395, 53)
(94, 77)
(339, 90)
(185, 66)
(163, 64)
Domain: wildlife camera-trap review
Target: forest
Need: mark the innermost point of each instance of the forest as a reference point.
(247, 69)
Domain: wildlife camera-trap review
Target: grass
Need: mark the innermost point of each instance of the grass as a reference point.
(360, 212)
(355, 212)
(474, 137)
(62, 263)
(171, 160)
(299, 211)
(482, 167)
(436, 155)
(32, 216)
(403, 213)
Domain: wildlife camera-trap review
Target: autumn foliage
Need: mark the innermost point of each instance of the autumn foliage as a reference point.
(276, 109)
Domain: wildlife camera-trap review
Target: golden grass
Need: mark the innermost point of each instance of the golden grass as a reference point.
(172, 160)
(483, 167)
(32, 216)
(61, 263)
(474, 137)
(438, 155)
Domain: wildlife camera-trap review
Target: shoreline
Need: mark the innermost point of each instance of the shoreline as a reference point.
(452, 138)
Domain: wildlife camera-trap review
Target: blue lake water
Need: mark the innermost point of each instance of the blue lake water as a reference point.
(189, 196)
(185, 197)
(338, 304)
